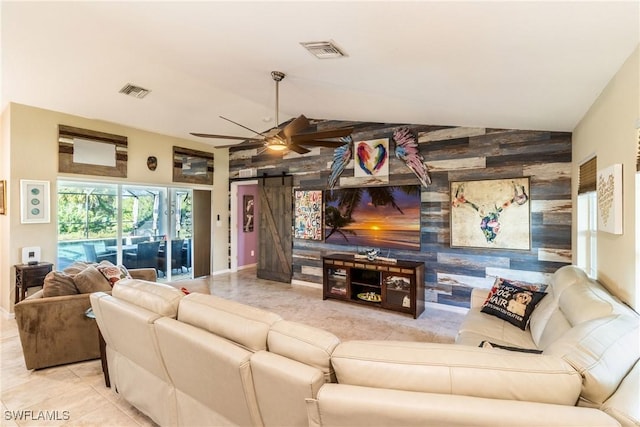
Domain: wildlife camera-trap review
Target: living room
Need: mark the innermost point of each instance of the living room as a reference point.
(473, 148)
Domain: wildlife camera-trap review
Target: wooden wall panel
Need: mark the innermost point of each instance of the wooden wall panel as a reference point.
(451, 153)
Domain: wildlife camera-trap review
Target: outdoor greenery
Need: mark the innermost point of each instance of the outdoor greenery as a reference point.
(86, 215)
(92, 213)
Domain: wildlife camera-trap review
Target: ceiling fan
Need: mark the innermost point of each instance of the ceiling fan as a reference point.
(295, 135)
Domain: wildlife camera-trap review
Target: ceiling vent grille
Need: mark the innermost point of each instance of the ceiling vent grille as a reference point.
(135, 91)
(323, 50)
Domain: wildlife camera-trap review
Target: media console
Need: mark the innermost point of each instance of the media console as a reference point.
(397, 286)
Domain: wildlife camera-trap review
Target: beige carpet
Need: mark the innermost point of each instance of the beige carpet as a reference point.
(347, 321)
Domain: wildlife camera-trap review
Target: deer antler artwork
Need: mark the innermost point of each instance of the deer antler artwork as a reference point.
(489, 216)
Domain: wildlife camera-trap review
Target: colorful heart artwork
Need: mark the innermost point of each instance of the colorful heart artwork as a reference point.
(372, 158)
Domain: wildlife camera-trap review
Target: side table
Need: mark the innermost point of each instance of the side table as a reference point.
(28, 276)
(103, 349)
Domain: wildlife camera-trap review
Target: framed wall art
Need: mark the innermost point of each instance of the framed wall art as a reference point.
(3, 197)
(609, 195)
(34, 201)
(308, 214)
(491, 213)
(370, 163)
(89, 152)
(192, 166)
(248, 208)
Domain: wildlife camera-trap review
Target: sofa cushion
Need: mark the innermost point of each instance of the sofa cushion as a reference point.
(623, 405)
(57, 283)
(212, 376)
(91, 280)
(477, 327)
(303, 343)
(245, 325)
(603, 351)
(512, 303)
(585, 301)
(339, 405)
(459, 369)
(156, 297)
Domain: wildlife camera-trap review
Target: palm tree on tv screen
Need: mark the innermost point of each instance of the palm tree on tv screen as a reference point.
(340, 215)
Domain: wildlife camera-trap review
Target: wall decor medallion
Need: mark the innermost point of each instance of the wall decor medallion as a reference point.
(34, 201)
(308, 215)
(491, 213)
(152, 163)
(609, 195)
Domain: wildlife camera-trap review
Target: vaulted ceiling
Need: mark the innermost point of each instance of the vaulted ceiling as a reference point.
(517, 64)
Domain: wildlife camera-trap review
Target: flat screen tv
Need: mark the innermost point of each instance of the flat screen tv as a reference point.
(373, 217)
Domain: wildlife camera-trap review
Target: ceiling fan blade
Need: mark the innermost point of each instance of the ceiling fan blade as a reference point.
(239, 138)
(329, 133)
(242, 126)
(244, 145)
(295, 126)
(297, 148)
(324, 143)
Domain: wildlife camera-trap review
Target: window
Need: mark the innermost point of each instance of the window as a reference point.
(587, 219)
(126, 224)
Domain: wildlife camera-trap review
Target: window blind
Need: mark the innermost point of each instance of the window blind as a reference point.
(638, 155)
(588, 174)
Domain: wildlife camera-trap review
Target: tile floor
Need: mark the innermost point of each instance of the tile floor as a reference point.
(75, 394)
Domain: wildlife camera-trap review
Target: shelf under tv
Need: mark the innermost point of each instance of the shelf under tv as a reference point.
(364, 276)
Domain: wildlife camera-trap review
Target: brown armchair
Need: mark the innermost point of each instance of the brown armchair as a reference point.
(55, 330)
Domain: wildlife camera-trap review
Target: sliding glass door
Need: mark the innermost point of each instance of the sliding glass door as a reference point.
(181, 224)
(137, 226)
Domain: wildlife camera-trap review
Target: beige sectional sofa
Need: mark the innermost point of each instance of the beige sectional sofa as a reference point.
(200, 359)
(203, 360)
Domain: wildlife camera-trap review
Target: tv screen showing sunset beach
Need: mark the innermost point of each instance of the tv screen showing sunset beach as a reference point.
(378, 217)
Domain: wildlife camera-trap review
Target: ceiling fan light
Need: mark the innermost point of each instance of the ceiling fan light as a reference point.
(277, 146)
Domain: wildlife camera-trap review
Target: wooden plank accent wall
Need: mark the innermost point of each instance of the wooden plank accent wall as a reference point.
(452, 154)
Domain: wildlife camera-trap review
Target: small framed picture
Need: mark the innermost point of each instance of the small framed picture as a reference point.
(247, 218)
(34, 201)
(308, 215)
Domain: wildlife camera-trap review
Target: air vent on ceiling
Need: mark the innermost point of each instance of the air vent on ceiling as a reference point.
(135, 91)
(323, 50)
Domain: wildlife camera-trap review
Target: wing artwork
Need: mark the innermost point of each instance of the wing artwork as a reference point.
(407, 151)
(341, 157)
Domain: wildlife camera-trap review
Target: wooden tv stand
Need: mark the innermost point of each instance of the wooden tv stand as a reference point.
(394, 286)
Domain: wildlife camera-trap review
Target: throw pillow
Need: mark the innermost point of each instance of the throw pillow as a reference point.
(75, 268)
(512, 303)
(113, 273)
(538, 287)
(57, 283)
(91, 280)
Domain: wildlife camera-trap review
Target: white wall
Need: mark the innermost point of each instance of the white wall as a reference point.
(30, 151)
(608, 130)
